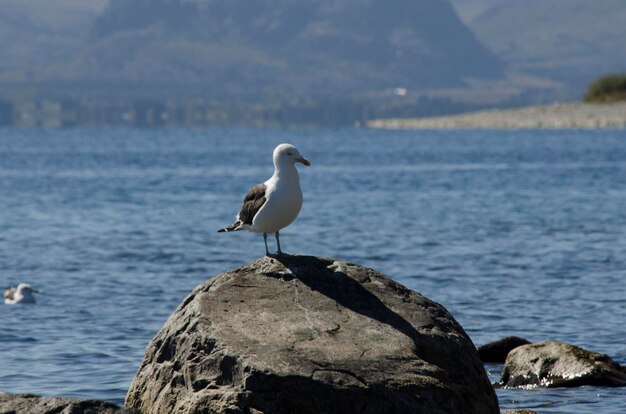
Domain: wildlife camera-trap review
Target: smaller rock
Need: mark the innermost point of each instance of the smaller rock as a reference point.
(34, 404)
(557, 364)
(498, 350)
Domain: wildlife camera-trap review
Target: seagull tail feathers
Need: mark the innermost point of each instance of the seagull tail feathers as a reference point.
(233, 227)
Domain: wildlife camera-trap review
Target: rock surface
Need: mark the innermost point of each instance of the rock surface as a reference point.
(570, 115)
(522, 411)
(557, 364)
(34, 404)
(301, 334)
(498, 350)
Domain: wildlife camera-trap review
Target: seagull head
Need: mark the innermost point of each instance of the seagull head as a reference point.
(287, 153)
(25, 287)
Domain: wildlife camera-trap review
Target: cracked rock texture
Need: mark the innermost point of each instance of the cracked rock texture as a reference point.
(301, 334)
(34, 404)
(557, 364)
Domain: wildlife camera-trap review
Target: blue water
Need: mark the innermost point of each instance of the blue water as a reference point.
(516, 233)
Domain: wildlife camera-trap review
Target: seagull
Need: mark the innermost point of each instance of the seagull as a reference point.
(270, 206)
(23, 293)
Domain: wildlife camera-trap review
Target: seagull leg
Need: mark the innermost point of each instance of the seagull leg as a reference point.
(278, 243)
(267, 252)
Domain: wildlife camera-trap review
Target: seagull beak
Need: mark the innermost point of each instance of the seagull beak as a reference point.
(34, 290)
(304, 161)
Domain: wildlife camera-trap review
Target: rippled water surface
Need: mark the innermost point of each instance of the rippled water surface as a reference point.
(516, 233)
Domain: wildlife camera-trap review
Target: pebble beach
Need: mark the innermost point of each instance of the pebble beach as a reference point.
(565, 115)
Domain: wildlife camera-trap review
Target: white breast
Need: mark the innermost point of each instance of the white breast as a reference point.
(282, 205)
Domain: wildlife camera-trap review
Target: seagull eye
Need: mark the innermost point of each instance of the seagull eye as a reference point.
(289, 153)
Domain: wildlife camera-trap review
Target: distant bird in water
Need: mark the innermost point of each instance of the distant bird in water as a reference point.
(23, 293)
(270, 206)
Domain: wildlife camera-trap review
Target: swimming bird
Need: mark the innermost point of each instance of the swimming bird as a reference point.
(273, 205)
(23, 293)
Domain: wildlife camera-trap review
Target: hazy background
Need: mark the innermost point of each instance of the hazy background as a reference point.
(332, 62)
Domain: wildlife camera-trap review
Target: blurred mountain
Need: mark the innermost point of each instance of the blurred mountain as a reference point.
(35, 34)
(468, 10)
(571, 42)
(318, 47)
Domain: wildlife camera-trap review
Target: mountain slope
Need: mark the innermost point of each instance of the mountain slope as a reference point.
(34, 34)
(278, 46)
(572, 41)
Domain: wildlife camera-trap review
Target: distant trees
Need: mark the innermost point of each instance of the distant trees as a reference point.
(610, 88)
(270, 111)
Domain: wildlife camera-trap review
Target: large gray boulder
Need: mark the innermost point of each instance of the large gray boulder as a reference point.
(301, 334)
(557, 364)
(34, 404)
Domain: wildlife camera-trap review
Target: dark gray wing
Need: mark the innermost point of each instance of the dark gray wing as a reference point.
(252, 203)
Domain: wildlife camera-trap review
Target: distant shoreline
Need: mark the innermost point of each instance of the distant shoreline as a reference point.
(565, 115)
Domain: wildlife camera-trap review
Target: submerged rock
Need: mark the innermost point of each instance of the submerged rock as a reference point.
(34, 404)
(557, 364)
(301, 334)
(522, 411)
(498, 350)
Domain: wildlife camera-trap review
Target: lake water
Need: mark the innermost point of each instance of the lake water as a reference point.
(514, 232)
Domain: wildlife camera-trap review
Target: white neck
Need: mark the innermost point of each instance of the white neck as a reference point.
(286, 170)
